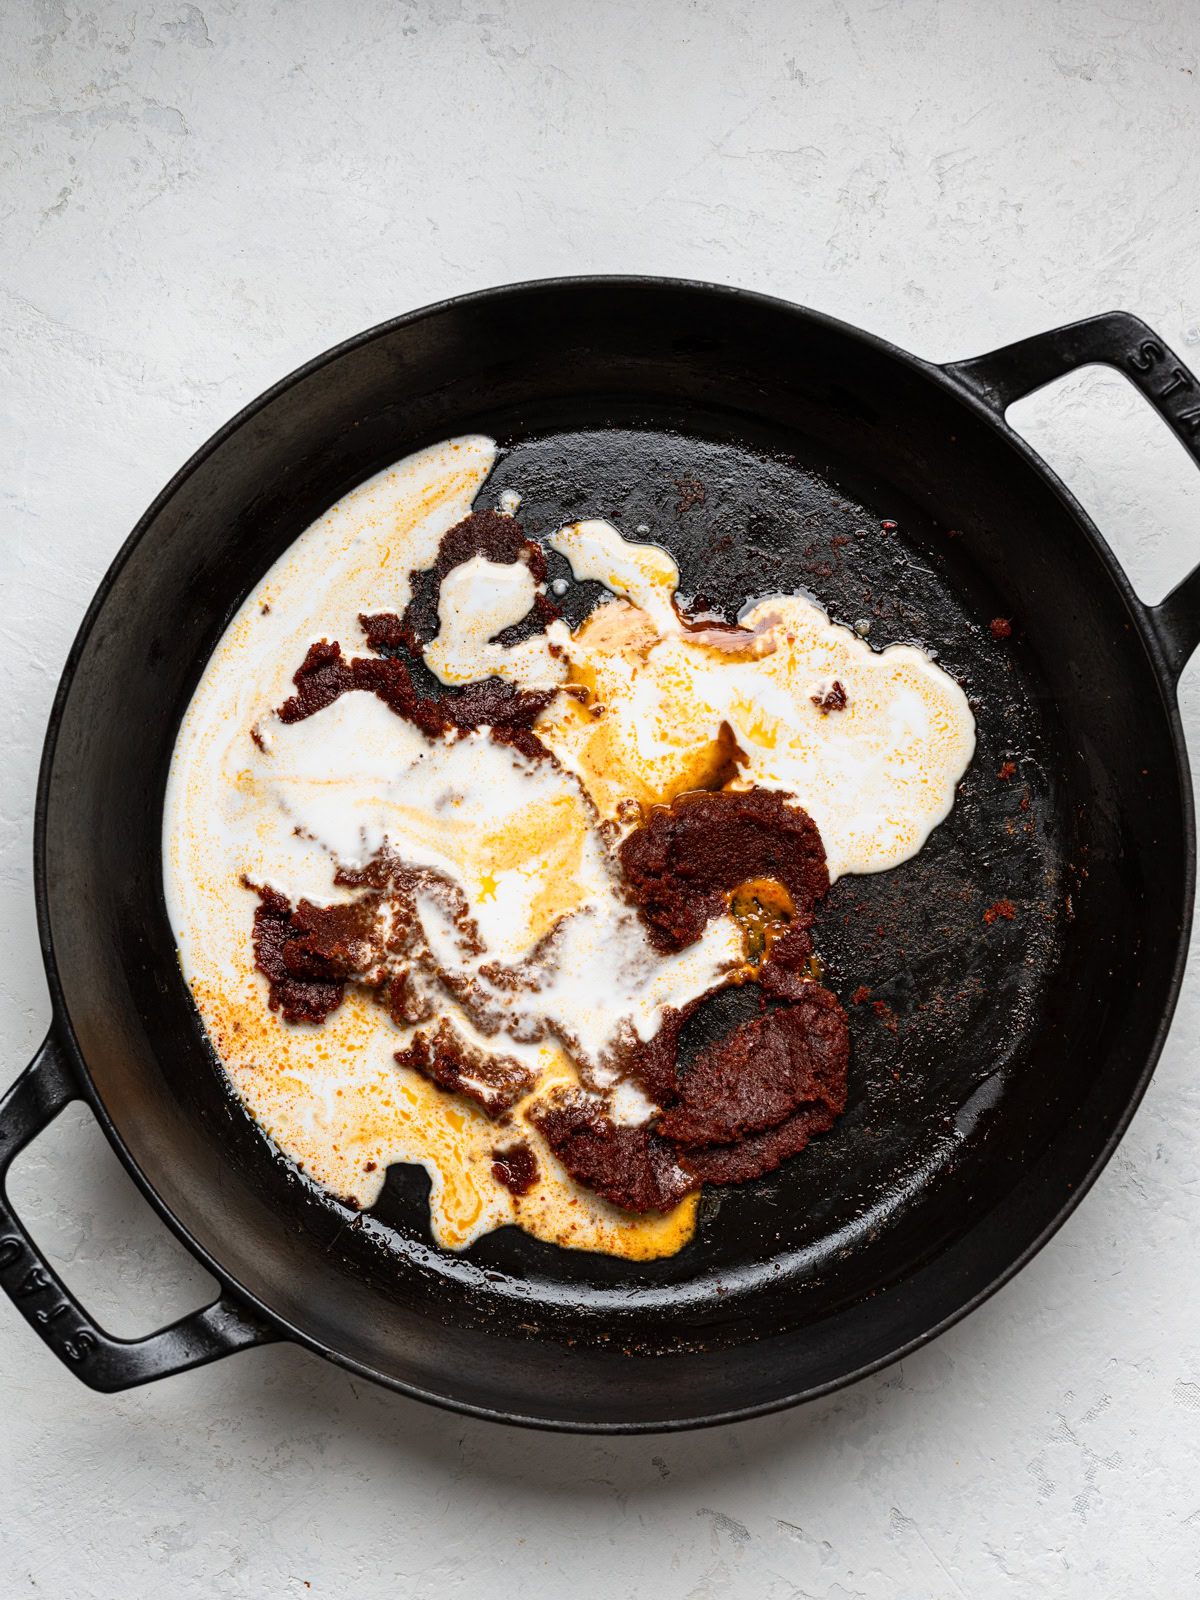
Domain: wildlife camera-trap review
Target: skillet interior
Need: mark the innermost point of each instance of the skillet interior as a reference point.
(970, 1127)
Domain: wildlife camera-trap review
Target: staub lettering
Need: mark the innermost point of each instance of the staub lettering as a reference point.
(74, 1344)
(1179, 380)
(1146, 354)
(81, 1346)
(1142, 362)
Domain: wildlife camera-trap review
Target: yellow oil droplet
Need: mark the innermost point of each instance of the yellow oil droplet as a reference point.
(763, 908)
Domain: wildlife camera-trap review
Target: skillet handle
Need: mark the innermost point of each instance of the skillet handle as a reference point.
(1121, 340)
(100, 1360)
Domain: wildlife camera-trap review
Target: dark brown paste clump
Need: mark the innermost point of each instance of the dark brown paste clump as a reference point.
(834, 699)
(762, 1072)
(690, 855)
(746, 1103)
(651, 1062)
(384, 631)
(309, 953)
(787, 971)
(515, 1167)
(484, 533)
(627, 1164)
(494, 1083)
(761, 1153)
(325, 675)
(304, 954)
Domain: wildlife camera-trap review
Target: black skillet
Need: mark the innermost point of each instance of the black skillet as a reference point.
(997, 1059)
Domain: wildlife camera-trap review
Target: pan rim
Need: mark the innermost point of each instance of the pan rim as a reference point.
(1139, 614)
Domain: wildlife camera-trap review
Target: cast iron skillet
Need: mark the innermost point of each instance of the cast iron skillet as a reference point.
(997, 1060)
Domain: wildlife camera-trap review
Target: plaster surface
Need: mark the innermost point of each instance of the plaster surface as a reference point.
(193, 200)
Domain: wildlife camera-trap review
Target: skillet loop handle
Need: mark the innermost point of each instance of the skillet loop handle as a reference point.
(52, 1311)
(1116, 339)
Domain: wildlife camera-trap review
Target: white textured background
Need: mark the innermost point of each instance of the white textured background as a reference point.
(193, 201)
